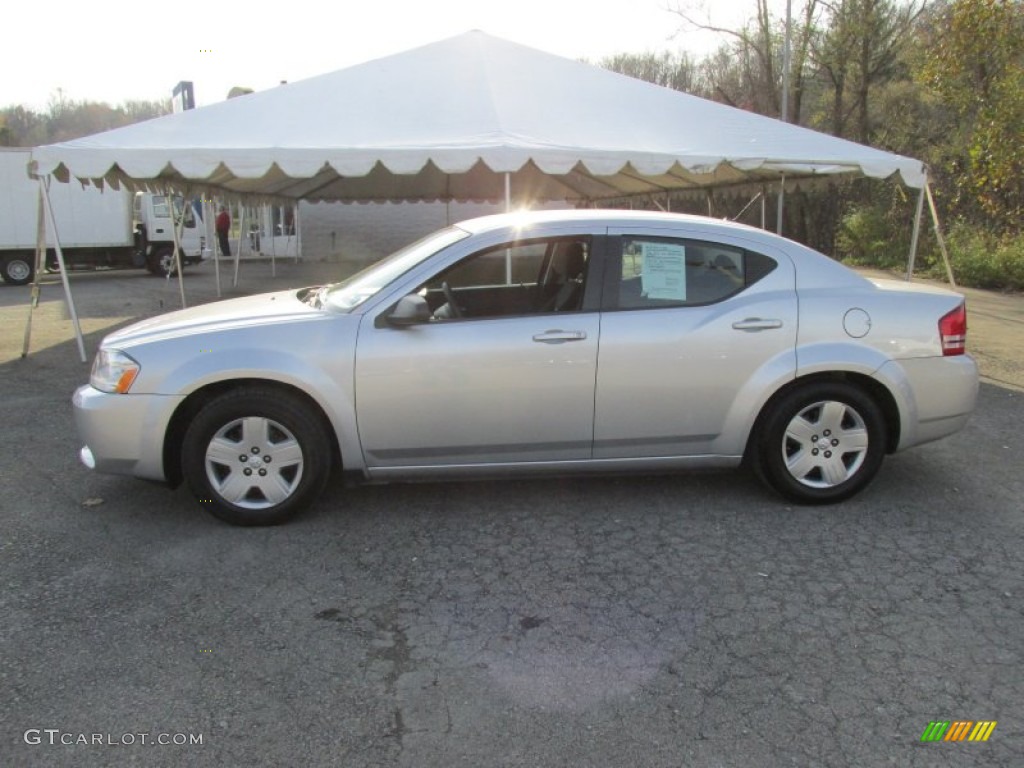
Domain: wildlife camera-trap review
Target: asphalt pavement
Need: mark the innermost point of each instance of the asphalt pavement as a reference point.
(686, 620)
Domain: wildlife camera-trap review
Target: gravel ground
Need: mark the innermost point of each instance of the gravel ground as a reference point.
(689, 620)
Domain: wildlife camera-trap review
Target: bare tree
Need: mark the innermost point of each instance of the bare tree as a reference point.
(755, 53)
(678, 71)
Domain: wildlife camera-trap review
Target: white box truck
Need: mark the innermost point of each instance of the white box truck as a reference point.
(97, 228)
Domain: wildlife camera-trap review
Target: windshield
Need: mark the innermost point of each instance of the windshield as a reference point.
(350, 293)
(160, 209)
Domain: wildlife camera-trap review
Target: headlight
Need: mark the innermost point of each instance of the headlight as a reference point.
(113, 371)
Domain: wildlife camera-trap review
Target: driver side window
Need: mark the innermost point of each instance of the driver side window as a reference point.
(520, 278)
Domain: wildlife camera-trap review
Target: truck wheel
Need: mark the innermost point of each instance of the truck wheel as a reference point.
(17, 270)
(821, 443)
(161, 262)
(255, 456)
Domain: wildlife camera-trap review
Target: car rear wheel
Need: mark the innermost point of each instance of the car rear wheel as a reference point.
(255, 456)
(821, 443)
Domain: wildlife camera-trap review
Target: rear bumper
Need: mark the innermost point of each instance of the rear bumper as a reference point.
(936, 395)
(123, 434)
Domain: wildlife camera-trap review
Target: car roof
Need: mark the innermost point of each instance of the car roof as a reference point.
(607, 216)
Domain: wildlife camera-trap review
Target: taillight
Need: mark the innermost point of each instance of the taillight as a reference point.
(953, 331)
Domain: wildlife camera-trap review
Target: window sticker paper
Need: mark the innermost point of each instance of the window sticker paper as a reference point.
(663, 275)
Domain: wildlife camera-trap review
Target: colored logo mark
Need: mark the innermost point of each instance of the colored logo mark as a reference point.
(958, 730)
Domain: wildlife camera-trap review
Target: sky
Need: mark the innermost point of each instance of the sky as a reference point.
(113, 51)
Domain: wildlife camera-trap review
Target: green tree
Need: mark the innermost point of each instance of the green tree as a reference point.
(972, 60)
(860, 46)
(65, 119)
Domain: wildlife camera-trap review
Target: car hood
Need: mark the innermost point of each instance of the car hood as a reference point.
(277, 307)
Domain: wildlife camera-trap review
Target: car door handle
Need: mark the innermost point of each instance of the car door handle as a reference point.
(558, 337)
(756, 324)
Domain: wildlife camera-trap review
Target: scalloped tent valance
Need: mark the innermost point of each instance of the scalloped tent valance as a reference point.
(449, 121)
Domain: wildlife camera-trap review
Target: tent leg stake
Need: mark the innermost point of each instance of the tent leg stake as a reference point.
(914, 237)
(746, 207)
(176, 231)
(40, 259)
(63, 271)
(938, 232)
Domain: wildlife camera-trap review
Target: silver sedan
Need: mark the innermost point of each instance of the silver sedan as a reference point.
(548, 342)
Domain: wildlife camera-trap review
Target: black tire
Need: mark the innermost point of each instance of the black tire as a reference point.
(161, 262)
(286, 451)
(17, 270)
(820, 443)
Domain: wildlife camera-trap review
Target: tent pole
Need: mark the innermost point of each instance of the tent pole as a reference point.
(711, 203)
(764, 207)
(40, 258)
(782, 198)
(938, 231)
(238, 248)
(508, 208)
(298, 232)
(739, 215)
(787, 59)
(917, 231)
(273, 238)
(63, 269)
(210, 210)
(176, 231)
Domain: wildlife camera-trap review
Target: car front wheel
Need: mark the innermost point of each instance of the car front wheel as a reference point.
(255, 456)
(821, 443)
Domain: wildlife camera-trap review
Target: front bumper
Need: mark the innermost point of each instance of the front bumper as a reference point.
(123, 434)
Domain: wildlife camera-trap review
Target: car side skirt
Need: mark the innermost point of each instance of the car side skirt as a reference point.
(652, 464)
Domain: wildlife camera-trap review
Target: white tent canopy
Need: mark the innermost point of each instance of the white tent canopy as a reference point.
(449, 121)
(467, 118)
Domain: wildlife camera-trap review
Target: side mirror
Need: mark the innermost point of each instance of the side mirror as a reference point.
(410, 310)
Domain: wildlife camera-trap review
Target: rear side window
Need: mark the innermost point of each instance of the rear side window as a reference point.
(672, 272)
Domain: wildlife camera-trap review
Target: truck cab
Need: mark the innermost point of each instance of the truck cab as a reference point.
(154, 232)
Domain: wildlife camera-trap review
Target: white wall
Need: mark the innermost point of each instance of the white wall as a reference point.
(358, 234)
